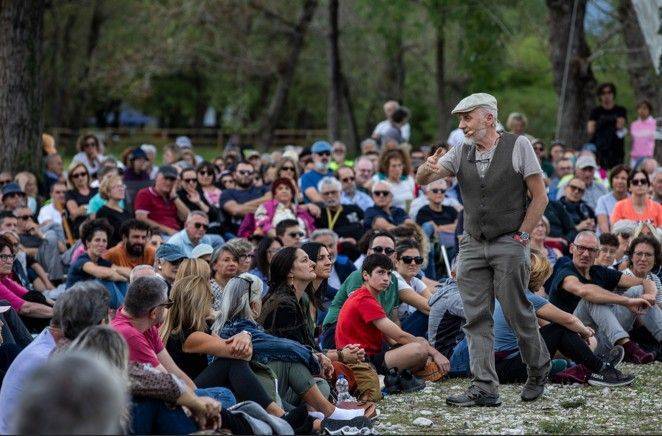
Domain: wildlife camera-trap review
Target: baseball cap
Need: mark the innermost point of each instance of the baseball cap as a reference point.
(137, 153)
(168, 171)
(250, 153)
(321, 147)
(201, 250)
(12, 188)
(169, 253)
(183, 142)
(481, 99)
(585, 162)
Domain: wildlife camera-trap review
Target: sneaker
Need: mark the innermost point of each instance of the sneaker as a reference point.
(574, 374)
(409, 382)
(535, 385)
(615, 356)
(392, 382)
(610, 376)
(340, 426)
(474, 396)
(635, 354)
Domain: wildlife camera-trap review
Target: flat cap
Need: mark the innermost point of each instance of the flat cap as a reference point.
(467, 104)
(169, 253)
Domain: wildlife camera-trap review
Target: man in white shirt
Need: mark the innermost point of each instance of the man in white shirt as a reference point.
(383, 127)
(51, 213)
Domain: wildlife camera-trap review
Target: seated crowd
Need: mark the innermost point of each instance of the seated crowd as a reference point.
(247, 292)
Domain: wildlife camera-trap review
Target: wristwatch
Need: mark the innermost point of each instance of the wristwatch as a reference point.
(522, 237)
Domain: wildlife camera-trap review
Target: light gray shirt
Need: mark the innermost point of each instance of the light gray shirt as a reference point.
(525, 161)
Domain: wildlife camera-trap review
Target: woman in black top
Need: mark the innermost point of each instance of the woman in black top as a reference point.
(188, 340)
(192, 196)
(78, 196)
(112, 190)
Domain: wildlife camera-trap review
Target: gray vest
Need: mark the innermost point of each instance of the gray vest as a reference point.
(495, 204)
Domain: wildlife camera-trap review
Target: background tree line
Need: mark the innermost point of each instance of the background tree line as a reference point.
(313, 63)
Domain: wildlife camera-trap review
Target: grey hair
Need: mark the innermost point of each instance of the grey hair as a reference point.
(658, 171)
(144, 294)
(585, 233)
(85, 304)
(92, 402)
(324, 232)
(489, 110)
(148, 148)
(236, 302)
(329, 181)
(241, 245)
(104, 341)
(383, 182)
(141, 271)
(516, 116)
(197, 213)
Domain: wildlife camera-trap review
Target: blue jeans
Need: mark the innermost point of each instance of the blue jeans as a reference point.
(117, 291)
(460, 360)
(149, 416)
(416, 323)
(223, 395)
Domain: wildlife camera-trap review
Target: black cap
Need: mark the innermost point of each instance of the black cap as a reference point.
(168, 171)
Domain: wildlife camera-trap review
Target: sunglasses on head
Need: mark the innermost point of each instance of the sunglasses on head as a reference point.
(348, 179)
(410, 259)
(296, 234)
(78, 175)
(201, 225)
(381, 193)
(383, 250)
(438, 191)
(639, 182)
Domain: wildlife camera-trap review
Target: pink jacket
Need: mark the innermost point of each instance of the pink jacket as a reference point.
(12, 292)
(249, 224)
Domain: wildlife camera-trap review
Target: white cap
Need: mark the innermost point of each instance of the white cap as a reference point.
(201, 250)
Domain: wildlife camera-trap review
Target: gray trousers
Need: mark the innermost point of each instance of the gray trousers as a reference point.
(49, 256)
(612, 322)
(499, 268)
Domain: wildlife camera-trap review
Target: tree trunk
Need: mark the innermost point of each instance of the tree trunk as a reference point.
(578, 98)
(334, 111)
(21, 29)
(439, 13)
(395, 65)
(286, 75)
(646, 83)
(353, 147)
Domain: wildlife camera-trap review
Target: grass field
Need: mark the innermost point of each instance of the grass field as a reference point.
(563, 409)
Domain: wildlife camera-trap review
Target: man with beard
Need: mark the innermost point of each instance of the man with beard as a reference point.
(133, 250)
(242, 200)
(308, 182)
(494, 172)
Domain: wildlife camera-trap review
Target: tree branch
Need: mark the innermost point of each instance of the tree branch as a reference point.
(271, 14)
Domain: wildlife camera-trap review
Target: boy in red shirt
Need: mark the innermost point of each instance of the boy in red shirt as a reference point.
(362, 321)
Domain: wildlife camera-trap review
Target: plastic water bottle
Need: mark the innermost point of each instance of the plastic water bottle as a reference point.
(342, 388)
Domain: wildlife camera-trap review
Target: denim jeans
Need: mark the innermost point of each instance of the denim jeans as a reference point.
(223, 395)
(460, 360)
(117, 291)
(149, 416)
(416, 323)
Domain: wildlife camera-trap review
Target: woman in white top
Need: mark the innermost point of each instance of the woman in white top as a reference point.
(395, 167)
(89, 153)
(414, 310)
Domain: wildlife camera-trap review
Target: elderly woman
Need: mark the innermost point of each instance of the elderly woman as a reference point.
(645, 257)
(224, 266)
(395, 167)
(89, 153)
(112, 190)
(281, 207)
(246, 251)
(79, 195)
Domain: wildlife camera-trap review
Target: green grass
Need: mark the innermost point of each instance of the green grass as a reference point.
(561, 410)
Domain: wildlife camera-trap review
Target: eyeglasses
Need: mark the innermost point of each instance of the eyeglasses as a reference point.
(383, 250)
(296, 234)
(201, 225)
(24, 217)
(410, 259)
(206, 173)
(347, 179)
(639, 182)
(576, 188)
(338, 150)
(329, 193)
(643, 254)
(381, 193)
(7, 257)
(245, 173)
(78, 175)
(245, 257)
(583, 248)
(287, 169)
(324, 153)
(438, 191)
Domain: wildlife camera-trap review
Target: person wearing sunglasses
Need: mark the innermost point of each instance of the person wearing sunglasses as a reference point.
(589, 292)
(206, 172)
(92, 266)
(89, 153)
(581, 214)
(194, 196)
(382, 242)
(79, 195)
(289, 231)
(159, 206)
(350, 194)
(436, 219)
(585, 170)
(639, 206)
(321, 151)
(383, 215)
(238, 202)
(195, 233)
(606, 127)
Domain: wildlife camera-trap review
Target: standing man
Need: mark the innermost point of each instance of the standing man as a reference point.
(494, 172)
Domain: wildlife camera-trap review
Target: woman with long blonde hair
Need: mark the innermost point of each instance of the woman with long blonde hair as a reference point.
(189, 341)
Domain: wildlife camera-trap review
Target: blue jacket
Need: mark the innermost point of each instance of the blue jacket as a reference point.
(268, 348)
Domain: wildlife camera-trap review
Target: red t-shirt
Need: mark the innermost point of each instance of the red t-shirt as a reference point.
(161, 209)
(355, 322)
(143, 347)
